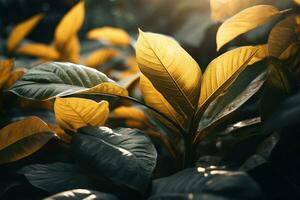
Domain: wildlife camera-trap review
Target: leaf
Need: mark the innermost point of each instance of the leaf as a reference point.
(111, 35)
(56, 177)
(14, 76)
(99, 57)
(57, 79)
(21, 30)
(126, 112)
(123, 156)
(222, 72)
(22, 138)
(297, 2)
(74, 113)
(105, 88)
(216, 184)
(79, 194)
(6, 67)
(71, 50)
(245, 86)
(39, 50)
(244, 21)
(171, 70)
(60, 133)
(69, 25)
(154, 99)
(282, 36)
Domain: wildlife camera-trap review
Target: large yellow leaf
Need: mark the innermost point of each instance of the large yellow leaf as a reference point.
(110, 34)
(154, 99)
(171, 70)
(245, 21)
(22, 138)
(69, 25)
(223, 70)
(135, 117)
(39, 50)
(99, 57)
(70, 52)
(6, 67)
(74, 113)
(105, 88)
(21, 30)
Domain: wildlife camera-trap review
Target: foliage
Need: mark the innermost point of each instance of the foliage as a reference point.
(167, 116)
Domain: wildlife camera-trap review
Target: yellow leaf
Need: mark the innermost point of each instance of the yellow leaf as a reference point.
(60, 133)
(39, 50)
(154, 99)
(171, 70)
(282, 36)
(22, 138)
(290, 51)
(111, 35)
(21, 30)
(69, 25)
(74, 113)
(105, 88)
(131, 112)
(245, 21)
(14, 76)
(99, 57)
(71, 51)
(261, 54)
(297, 2)
(6, 67)
(222, 71)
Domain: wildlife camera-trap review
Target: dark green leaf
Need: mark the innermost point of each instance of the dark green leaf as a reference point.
(56, 78)
(79, 194)
(56, 177)
(219, 184)
(123, 156)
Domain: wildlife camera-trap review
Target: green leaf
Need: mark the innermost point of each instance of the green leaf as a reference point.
(56, 177)
(79, 194)
(57, 79)
(216, 184)
(123, 156)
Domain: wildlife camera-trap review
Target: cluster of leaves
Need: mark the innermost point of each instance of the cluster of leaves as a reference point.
(176, 118)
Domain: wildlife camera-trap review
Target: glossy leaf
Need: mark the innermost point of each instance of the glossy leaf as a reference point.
(39, 50)
(216, 184)
(6, 67)
(111, 35)
(244, 21)
(21, 30)
(57, 79)
(79, 194)
(98, 57)
(69, 25)
(154, 99)
(74, 113)
(56, 177)
(222, 72)
(124, 156)
(282, 36)
(171, 70)
(22, 138)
